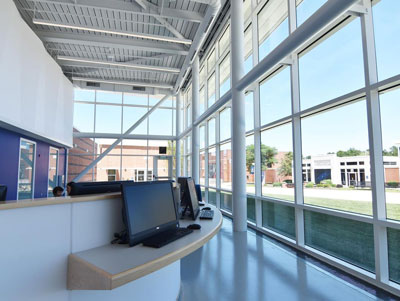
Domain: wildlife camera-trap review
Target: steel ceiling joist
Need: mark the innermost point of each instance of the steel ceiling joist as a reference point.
(110, 42)
(122, 6)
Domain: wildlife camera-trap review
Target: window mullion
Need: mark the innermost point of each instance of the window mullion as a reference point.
(375, 145)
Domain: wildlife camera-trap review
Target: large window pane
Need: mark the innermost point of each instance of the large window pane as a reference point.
(110, 97)
(224, 41)
(211, 90)
(275, 97)
(225, 75)
(248, 49)
(277, 162)
(390, 110)
(225, 124)
(108, 119)
(202, 100)
(202, 76)
(84, 95)
(211, 61)
(335, 152)
(226, 166)
(135, 99)
(211, 131)
(333, 68)
(248, 43)
(387, 47)
(131, 116)
(160, 122)
(247, 9)
(393, 237)
(346, 239)
(248, 64)
(134, 147)
(212, 167)
(134, 168)
(279, 218)
(202, 131)
(226, 201)
(84, 117)
(26, 172)
(250, 165)
(251, 209)
(202, 168)
(212, 196)
(249, 103)
(109, 168)
(79, 157)
(306, 8)
(273, 26)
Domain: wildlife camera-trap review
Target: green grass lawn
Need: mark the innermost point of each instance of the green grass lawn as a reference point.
(345, 205)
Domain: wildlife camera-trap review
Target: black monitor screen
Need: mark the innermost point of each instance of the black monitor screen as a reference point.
(149, 207)
(193, 196)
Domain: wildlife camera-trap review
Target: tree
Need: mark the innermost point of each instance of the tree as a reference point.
(393, 151)
(285, 169)
(267, 156)
(349, 153)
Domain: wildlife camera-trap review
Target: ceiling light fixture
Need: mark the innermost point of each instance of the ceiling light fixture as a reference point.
(117, 64)
(123, 33)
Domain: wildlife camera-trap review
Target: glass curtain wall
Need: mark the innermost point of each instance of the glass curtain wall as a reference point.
(309, 141)
(113, 113)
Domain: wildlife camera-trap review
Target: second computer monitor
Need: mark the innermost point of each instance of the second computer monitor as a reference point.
(193, 202)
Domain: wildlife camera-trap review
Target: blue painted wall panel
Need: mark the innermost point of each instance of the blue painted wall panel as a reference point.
(9, 156)
(9, 159)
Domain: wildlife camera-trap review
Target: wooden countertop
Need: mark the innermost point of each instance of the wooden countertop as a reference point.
(56, 201)
(111, 266)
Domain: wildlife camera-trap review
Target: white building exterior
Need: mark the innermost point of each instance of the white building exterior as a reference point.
(347, 171)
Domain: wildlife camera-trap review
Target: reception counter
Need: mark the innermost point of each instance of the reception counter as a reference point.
(59, 249)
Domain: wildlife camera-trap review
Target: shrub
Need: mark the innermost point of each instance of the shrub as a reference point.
(277, 184)
(320, 185)
(288, 181)
(339, 186)
(351, 186)
(310, 185)
(328, 182)
(392, 184)
(326, 185)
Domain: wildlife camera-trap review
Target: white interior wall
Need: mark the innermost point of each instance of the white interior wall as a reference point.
(35, 95)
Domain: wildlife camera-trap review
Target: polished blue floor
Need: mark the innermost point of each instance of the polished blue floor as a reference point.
(250, 266)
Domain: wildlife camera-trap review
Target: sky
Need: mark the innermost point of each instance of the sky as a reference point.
(331, 69)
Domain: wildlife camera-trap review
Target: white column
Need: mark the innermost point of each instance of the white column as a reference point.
(296, 132)
(238, 119)
(178, 141)
(195, 129)
(375, 146)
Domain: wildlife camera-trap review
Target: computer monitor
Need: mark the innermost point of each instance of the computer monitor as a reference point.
(198, 192)
(149, 208)
(3, 192)
(193, 201)
(82, 188)
(184, 190)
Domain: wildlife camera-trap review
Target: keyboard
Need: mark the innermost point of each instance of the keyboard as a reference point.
(206, 214)
(161, 239)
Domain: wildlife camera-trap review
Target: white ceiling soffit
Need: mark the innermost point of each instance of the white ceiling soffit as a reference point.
(126, 42)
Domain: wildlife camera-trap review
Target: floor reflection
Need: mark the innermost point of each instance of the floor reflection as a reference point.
(248, 266)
